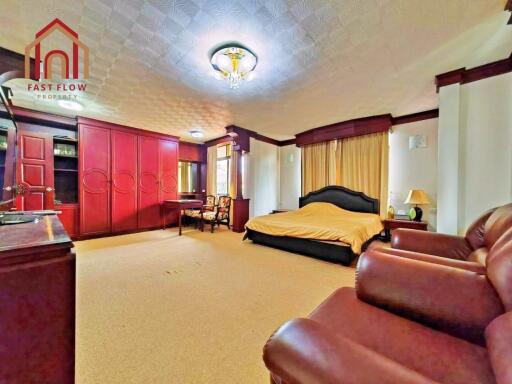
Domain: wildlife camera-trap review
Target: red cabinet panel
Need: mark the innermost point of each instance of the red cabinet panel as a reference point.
(124, 181)
(169, 175)
(148, 191)
(35, 170)
(94, 179)
(69, 218)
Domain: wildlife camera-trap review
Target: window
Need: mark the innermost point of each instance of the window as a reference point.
(223, 162)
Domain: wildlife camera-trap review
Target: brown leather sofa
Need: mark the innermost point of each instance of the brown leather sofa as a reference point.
(407, 321)
(466, 252)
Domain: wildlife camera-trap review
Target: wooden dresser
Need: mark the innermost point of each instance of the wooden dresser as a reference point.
(37, 303)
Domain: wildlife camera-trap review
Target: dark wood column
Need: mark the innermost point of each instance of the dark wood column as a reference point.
(241, 145)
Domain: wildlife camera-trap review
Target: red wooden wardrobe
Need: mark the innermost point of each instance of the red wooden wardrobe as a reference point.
(124, 175)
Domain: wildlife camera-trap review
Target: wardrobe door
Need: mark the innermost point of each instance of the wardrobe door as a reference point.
(35, 171)
(94, 180)
(169, 175)
(148, 191)
(124, 181)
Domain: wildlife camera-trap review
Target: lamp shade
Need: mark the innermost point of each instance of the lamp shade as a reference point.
(417, 196)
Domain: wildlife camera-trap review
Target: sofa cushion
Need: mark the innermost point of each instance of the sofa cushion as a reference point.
(436, 355)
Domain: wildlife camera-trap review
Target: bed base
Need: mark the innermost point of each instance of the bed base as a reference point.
(324, 251)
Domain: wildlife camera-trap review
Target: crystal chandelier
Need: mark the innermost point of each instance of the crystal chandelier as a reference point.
(233, 63)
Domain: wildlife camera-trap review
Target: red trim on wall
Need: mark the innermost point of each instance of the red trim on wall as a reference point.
(413, 117)
(463, 75)
(349, 128)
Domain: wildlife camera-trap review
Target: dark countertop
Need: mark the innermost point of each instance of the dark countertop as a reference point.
(47, 235)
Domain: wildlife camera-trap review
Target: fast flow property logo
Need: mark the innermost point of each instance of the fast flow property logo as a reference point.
(69, 59)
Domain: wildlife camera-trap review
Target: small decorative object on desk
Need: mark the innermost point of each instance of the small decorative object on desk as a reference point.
(417, 197)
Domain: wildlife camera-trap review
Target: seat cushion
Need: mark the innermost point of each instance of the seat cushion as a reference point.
(436, 355)
(195, 213)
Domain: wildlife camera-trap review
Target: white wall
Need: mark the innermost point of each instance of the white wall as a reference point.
(413, 168)
(475, 150)
(290, 177)
(262, 178)
(448, 174)
(486, 146)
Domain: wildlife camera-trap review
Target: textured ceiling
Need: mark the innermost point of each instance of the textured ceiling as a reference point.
(320, 62)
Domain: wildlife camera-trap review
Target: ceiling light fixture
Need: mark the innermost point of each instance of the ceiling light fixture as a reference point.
(196, 133)
(68, 104)
(233, 63)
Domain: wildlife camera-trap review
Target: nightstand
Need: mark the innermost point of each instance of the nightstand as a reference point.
(390, 224)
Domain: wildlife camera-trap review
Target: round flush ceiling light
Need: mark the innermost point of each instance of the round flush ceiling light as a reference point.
(196, 133)
(233, 63)
(68, 104)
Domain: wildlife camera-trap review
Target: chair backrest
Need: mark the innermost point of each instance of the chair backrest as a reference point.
(499, 268)
(497, 224)
(210, 200)
(224, 203)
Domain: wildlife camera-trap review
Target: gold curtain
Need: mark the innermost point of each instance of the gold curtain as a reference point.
(318, 165)
(362, 165)
(211, 171)
(359, 163)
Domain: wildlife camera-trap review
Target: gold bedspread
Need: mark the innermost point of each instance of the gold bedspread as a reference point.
(321, 221)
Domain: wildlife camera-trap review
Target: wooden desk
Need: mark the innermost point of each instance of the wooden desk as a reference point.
(390, 224)
(180, 205)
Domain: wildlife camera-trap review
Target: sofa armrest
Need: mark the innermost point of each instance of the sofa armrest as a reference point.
(453, 300)
(467, 265)
(432, 243)
(302, 351)
(499, 344)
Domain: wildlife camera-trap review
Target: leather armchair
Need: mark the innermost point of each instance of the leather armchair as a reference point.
(406, 321)
(466, 252)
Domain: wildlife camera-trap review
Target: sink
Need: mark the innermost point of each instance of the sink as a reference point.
(17, 219)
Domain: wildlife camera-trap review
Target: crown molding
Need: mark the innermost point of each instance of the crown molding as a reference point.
(43, 118)
(413, 117)
(464, 76)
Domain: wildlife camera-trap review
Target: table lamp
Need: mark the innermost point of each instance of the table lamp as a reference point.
(416, 197)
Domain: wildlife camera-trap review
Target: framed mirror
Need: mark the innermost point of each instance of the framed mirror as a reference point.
(188, 177)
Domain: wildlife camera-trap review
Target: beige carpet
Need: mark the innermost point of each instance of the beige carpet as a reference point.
(156, 308)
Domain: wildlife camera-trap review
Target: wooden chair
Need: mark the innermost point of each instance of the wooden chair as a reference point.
(223, 211)
(209, 206)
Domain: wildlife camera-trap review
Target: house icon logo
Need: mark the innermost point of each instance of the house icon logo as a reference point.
(46, 63)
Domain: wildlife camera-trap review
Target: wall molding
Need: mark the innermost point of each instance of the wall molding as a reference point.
(464, 76)
(413, 117)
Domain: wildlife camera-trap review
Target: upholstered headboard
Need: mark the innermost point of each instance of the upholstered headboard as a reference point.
(342, 197)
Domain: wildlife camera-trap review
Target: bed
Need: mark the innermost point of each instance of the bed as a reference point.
(328, 248)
